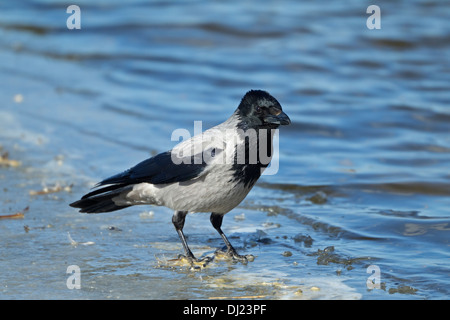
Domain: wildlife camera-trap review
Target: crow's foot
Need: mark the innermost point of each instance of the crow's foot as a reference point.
(233, 255)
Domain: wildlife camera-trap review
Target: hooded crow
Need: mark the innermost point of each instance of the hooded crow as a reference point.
(210, 172)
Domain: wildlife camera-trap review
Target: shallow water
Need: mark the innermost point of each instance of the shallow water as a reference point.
(363, 176)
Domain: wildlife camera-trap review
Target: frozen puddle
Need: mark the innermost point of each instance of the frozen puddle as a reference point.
(260, 286)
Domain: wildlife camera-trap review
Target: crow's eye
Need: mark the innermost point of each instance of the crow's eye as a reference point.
(258, 109)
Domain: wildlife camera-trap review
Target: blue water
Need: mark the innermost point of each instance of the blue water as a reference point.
(363, 176)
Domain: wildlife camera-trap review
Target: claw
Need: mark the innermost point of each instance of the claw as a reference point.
(196, 264)
(231, 253)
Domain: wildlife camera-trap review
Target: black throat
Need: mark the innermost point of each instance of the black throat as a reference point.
(250, 162)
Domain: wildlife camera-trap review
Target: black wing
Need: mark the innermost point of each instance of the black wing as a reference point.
(157, 170)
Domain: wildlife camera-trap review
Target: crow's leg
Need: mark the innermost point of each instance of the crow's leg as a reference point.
(216, 221)
(178, 219)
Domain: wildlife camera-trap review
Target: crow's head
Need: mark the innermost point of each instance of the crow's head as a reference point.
(258, 109)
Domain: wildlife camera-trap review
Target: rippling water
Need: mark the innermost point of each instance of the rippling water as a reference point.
(364, 168)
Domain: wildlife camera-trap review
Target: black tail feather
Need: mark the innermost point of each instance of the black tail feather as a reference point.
(100, 200)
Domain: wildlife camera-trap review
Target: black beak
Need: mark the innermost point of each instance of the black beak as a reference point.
(279, 118)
